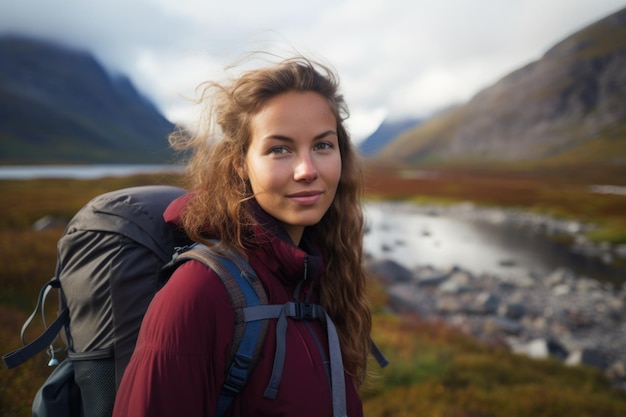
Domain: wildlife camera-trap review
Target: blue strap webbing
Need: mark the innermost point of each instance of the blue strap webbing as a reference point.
(239, 370)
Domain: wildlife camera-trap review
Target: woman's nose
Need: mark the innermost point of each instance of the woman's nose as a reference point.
(305, 169)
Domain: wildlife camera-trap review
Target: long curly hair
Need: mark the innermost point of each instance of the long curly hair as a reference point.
(219, 146)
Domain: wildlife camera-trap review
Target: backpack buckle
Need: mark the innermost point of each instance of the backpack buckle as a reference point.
(306, 311)
(237, 374)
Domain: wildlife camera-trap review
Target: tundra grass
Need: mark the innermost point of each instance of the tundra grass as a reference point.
(434, 370)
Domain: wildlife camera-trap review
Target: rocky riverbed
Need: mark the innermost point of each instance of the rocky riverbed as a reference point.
(576, 319)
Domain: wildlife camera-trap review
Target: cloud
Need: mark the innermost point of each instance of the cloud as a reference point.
(396, 58)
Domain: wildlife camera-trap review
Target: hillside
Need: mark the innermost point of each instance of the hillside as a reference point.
(61, 106)
(384, 134)
(566, 108)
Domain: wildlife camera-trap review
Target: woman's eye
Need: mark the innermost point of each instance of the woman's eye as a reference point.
(278, 150)
(322, 146)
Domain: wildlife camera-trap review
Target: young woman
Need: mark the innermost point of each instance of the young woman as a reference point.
(280, 184)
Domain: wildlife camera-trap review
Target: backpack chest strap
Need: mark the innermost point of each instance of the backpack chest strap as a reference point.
(302, 311)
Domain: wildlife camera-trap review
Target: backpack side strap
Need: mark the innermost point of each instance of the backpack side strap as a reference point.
(44, 340)
(378, 355)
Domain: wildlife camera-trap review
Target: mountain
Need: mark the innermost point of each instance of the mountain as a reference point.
(59, 105)
(385, 133)
(567, 107)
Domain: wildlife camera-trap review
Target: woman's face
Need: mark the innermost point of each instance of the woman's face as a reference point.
(293, 160)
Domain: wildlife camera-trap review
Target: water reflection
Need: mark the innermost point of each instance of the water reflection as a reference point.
(415, 239)
(28, 172)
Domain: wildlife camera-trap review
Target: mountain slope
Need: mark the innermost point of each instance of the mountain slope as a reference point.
(385, 133)
(60, 106)
(566, 107)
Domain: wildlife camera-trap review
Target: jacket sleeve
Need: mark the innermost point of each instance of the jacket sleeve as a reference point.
(177, 368)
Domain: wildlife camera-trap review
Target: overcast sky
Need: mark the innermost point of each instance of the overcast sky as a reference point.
(395, 58)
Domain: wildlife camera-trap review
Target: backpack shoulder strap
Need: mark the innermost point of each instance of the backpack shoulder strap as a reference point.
(244, 289)
(251, 302)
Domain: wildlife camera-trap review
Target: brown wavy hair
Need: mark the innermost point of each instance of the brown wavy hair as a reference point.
(219, 145)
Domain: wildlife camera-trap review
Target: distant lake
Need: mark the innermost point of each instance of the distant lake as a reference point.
(27, 172)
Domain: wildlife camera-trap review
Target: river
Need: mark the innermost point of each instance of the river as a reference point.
(414, 239)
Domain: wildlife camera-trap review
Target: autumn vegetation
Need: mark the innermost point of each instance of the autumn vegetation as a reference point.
(434, 371)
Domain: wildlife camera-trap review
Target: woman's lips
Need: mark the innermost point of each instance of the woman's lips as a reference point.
(305, 198)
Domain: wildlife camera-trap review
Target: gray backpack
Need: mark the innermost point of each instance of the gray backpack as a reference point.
(114, 255)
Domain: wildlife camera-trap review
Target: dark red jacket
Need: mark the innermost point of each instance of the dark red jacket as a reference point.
(178, 366)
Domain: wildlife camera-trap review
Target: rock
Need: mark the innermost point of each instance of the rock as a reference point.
(506, 286)
(575, 319)
(449, 305)
(432, 280)
(538, 325)
(587, 356)
(402, 296)
(561, 289)
(461, 277)
(616, 371)
(389, 271)
(495, 325)
(590, 249)
(620, 251)
(512, 310)
(616, 308)
(48, 223)
(522, 282)
(559, 276)
(451, 287)
(545, 348)
(587, 285)
(487, 302)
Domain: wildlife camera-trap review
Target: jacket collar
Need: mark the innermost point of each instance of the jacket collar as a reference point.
(288, 262)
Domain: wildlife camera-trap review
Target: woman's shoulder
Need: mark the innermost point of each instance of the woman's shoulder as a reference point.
(195, 283)
(191, 314)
